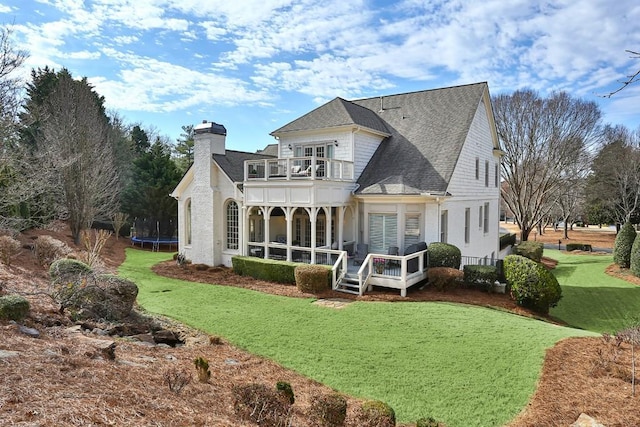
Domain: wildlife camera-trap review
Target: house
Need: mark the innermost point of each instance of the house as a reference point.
(376, 174)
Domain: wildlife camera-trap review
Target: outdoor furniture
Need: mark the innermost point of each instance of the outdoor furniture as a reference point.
(362, 250)
(393, 263)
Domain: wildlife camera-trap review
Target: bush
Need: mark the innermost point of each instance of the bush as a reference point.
(375, 413)
(329, 410)
(286, 389)
(634, 263)
(202, 369)
(444, 278)
(529, 249)
(532, 285)
(444, 255)
(579, 247)
(482, 276)
(47, 250)
(261, 404)
(9, 247)
(265, 269)
(312, 278)
(68, 269)
(623, 244)
(13, 307)
(428, 422)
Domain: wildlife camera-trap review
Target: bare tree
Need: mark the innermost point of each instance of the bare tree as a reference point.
(542, 140)
(615, 179)
(633, 78)
(77, 148)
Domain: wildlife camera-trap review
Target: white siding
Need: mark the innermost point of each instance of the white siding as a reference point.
(366, 145)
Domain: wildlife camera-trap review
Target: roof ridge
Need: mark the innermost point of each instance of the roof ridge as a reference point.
(421, 91)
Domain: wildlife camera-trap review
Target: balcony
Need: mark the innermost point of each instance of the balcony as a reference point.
(298, 168)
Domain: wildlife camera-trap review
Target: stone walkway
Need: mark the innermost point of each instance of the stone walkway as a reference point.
(333, 302)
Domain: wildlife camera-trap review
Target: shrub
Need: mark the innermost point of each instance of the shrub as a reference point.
(532, 285)
(579, 247)
(286, 389)
(444, 278)
(9, 247)
(444, 255)
(482, 276)
(176, 379)
(68, 269)
(375, 413)
(529, 249)
(265, 269)
(623, 244)
(13, 307)
(312, 278)
(634, 262)
(202, 368)
(261, 404)
(329, 410)
(47, 250)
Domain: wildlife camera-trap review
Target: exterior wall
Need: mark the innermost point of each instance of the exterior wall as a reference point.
(365, 145)
(469, 192)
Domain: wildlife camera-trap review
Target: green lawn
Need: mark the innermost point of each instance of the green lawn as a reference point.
(591, 299)
(464, 365)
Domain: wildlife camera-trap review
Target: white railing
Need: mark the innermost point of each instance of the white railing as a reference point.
(298, 168)
(392, 271)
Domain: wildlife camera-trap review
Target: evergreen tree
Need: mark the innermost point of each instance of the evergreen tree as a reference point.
(623, 244)
(146, 198)
(184, 148)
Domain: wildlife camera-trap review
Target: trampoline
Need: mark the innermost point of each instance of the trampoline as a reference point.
(155, 242)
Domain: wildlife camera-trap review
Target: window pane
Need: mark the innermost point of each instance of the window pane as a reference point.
(232, 225)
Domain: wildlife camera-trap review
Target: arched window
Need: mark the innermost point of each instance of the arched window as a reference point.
(187, 221)
(232, 225)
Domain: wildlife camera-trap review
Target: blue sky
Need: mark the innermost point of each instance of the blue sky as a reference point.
(255, 65)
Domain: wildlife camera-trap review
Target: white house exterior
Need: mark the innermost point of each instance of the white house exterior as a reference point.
(388, 171)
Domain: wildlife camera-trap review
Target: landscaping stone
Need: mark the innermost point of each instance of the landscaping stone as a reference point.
(7, 354)
(166, 336)
(585, 420)
(31, 332)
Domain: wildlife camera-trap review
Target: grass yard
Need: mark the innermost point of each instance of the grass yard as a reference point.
(464, 365)
(591, 299)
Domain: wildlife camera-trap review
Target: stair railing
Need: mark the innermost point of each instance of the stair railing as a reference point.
(339, 269)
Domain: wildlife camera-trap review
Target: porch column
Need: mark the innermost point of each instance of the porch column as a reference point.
(340, 232)
(327, 227)
(265, 216)
(313, 215)
(288, 215)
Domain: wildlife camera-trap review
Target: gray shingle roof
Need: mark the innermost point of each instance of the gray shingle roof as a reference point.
(335, 113)
(428, 129)
(232, 163)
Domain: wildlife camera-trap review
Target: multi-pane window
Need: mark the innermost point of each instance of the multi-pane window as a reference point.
(321, 226)
(477, 168)
(480, 220)
(486, 173)
(383, 232)
(467, 225)
(486, 217)
(444, 224)
(232, 225)
(497, 177)
(411, 230)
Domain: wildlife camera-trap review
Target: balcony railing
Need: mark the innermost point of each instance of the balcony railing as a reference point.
(293, 168)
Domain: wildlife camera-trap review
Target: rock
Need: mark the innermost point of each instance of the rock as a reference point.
(105, 348)
(585, 420)
(148, 338)
(166, 336)
(7, 354)
(31, 332)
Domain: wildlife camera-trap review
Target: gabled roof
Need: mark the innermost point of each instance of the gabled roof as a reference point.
(428, 129)
(232, 163)
(336, 113)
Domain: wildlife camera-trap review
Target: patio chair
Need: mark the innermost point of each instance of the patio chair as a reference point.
(392, 263)
(362, 250)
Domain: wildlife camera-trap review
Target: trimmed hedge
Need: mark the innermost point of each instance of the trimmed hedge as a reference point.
(623, 244)
(529, 249)
(579, 247)
(532, 285)
(265, 269)
(313, 278)
(444, 255)
(66, 269)
(444, 278)
(481, 276)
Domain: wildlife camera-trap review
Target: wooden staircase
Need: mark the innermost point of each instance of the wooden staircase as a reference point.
(349, 284)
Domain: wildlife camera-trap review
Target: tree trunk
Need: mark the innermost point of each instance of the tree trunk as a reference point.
(524, 234)
(566, 230)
